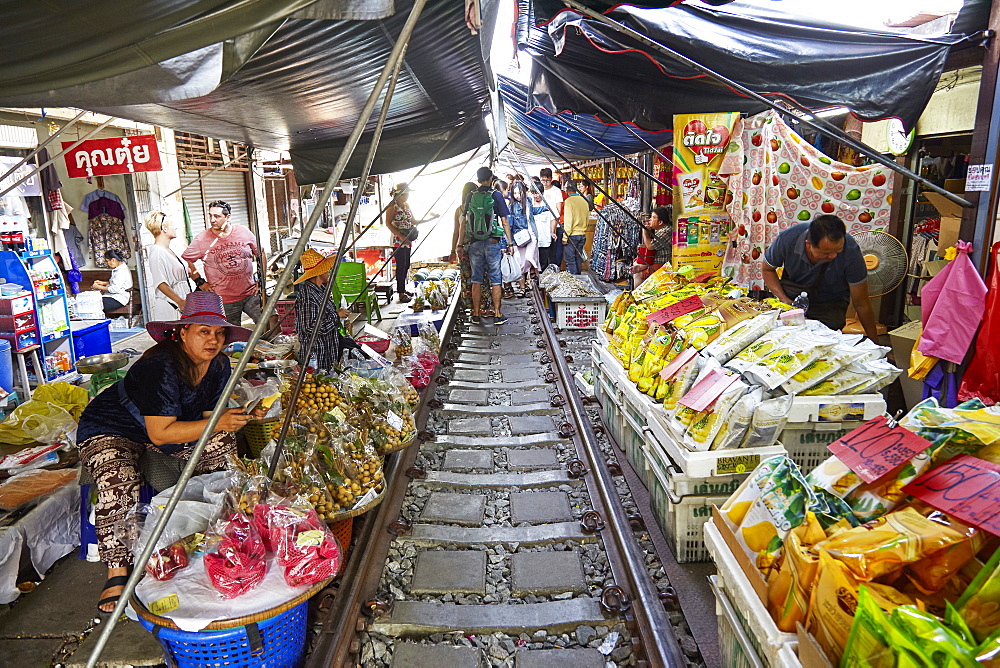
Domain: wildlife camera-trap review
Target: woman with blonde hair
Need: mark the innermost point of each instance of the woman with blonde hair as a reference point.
(168, 274)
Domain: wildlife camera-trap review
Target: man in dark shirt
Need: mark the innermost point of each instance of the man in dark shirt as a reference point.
(821, 259)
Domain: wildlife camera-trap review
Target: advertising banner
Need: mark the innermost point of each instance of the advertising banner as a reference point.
(114, 155)
(701, 224)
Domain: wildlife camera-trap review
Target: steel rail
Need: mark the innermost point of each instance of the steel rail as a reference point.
(48, 140)
(361, 576)
(809, 118)
(286, 275)
(624, 556)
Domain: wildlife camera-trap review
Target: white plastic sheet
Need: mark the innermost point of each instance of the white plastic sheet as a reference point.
(200, 604)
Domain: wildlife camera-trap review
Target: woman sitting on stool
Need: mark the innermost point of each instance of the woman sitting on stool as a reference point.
(162, 403)
(121, 282)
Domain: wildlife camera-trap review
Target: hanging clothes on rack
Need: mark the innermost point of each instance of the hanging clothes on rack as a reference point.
(107, 225)
(617, 235)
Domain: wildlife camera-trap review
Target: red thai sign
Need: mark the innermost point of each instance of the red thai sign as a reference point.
(116, 155)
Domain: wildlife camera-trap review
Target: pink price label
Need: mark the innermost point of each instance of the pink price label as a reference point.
(676, 310)
(966, 487)
(675, 365)
(708, 389)
(875, 448)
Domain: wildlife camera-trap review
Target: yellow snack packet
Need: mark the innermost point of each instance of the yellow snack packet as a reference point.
(789, 585)
(885, 545)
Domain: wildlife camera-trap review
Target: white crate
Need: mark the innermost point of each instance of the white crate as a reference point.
(815, 422)
(735, 648)
(680, 485)
(763, 634)
(681, 519)
(637, 404)
(633, 441)
(584, 313)
(712, 462)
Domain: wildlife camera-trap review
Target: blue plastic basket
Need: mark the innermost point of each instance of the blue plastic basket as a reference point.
(277, 642)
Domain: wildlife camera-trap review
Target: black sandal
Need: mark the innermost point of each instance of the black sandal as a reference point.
(116, 581)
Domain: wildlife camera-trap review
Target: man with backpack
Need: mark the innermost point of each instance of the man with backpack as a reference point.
(485, 224)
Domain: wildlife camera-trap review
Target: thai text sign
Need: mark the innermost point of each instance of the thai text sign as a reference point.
(115, 155)
(966, 487)
(876, 448)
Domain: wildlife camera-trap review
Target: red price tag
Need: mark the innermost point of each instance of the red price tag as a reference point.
(676, 310)
(676, 363)
(874, 449)
(966, 487)
(704, 278)
(708, 389)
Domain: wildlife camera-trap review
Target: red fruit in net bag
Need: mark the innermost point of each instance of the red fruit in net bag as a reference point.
(165, 562)
(237, 565)
(302, 544)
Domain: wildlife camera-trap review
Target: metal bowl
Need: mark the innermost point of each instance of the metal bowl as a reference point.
(277, 364)
(102, 363)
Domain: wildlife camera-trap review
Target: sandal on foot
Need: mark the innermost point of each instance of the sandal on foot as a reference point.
(116, 581)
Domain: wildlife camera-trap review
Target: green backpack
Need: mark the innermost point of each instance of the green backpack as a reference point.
(480, 218)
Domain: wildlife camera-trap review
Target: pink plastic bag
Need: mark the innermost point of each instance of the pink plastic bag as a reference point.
(952, 305)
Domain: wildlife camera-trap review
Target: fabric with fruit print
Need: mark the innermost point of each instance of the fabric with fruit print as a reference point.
(778, 180)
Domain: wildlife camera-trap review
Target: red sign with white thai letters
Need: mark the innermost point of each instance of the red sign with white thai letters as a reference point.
(115, 155)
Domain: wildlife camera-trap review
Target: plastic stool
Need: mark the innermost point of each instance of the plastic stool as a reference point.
(22, 369)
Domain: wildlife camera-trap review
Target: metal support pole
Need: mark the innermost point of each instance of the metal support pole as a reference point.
(45, 143)
(618, 155)
(259, 329)
(38, 170)
(286, 423)
(603, 110)
(809, 118)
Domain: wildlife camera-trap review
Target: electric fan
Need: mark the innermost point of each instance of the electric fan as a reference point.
(885, 259)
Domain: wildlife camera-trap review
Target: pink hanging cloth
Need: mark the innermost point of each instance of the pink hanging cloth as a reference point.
(951, 308)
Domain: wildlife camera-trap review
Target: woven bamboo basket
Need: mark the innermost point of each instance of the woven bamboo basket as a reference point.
(361, 510)
(221, 624)
(401, 446)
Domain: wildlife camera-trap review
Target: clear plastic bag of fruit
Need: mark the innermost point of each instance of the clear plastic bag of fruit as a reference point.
(362, 479)
(301, 542)
(171, 552)
(395, 378)
(235, 561)
(402, 342)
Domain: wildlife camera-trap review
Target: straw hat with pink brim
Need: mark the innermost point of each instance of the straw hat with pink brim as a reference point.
(200, 308)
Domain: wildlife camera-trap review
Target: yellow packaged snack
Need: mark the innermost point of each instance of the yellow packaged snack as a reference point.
(932, 573)
(818, 370)
(734, 428)
(871, 500)
(762, 347)
(792, 356)
(980, 604)
(679, 384)
(834, 476)
(841, 382)
(884, 545)
(735, 339)
(834, 599)
(789, 585)
(706, 424)
(703, 330)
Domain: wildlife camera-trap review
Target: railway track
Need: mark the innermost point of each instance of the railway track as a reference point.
(501, 540)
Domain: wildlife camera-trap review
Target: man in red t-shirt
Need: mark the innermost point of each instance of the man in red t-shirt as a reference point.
(227, 252)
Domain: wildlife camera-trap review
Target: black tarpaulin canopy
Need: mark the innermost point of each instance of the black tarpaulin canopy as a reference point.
(298, 84)
(876, 75)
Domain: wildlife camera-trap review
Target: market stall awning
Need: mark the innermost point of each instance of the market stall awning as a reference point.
(876, 75)
(303, 84)
(554, 130)
(141, 51)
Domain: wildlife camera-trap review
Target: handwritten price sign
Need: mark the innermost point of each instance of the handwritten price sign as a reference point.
(966, 487)
(874, 449)
(676, 310)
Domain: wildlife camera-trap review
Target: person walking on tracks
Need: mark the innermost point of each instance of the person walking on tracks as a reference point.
(486, 222)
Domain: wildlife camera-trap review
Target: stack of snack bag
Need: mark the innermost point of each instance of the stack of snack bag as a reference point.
(879, 578)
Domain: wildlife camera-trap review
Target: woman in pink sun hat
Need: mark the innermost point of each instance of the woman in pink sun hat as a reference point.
(163, 404)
